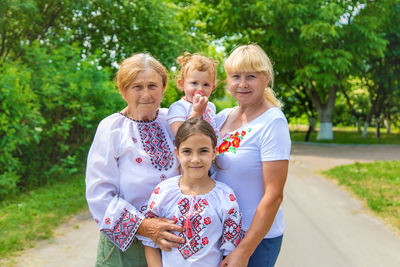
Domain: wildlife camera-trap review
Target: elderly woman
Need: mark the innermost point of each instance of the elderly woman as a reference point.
(254, 148)
(131, 153)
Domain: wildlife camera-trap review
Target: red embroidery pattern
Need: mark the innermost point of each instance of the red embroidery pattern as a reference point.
(139, 160)
(193, 241)
(232, 197)
(157, 190)
(232, 142)
(156, 146)
(232, 230)
(124, 230)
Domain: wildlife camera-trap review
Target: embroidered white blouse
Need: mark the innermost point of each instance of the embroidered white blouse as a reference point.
(126, 161)
(240, 156)
(215, 223)
(181, 110)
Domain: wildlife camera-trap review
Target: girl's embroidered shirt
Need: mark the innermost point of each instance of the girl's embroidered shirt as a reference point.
(215, 223)
(126, 161)
(181, 110)
(240, 156)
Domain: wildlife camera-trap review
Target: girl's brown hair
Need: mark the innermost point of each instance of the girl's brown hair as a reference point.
(194, 126)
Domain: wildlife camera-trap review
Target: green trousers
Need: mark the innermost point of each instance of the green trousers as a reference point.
(109, 255)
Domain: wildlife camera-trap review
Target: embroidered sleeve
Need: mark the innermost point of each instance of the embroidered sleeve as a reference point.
(176, 112)
(115, 217)
(232, 225)
(152, 211)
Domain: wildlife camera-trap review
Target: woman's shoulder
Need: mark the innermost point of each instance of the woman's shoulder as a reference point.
(112, 122)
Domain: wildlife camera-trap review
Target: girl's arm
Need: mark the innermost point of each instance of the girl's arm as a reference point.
(274, 178)
(153, 256)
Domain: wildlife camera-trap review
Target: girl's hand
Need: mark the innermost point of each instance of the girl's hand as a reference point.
(235, 259)
(199, 106)
(158, 229)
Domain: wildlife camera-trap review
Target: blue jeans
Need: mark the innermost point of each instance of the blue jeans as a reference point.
(266, 253)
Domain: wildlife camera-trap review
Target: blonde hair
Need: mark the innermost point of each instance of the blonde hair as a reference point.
(135, 64)
(189, 62)
(252, 57)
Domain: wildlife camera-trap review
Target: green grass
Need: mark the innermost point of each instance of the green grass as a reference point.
(347, 136)
(33, 216)
(377, 183)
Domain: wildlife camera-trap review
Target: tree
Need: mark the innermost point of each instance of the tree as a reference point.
(316, 44)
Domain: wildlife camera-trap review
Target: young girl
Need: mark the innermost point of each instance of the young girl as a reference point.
(197, 78)
(207, 210)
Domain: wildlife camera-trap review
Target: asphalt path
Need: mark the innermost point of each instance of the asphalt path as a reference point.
(325, 225)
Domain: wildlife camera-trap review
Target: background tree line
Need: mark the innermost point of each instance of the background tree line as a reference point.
(337, 61)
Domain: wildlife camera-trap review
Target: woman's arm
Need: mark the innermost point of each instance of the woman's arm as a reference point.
(274, 178)
(153, 256)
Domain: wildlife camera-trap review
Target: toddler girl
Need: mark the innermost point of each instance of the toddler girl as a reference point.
(206, 209)
(197, 78)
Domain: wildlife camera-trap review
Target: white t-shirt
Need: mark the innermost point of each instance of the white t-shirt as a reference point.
(126, 161)
(215, 221)
(241, 153)
(181, 110)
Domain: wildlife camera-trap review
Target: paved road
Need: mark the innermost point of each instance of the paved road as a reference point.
(325, 225)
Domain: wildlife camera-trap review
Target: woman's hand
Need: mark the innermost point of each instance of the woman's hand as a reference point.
(158, 230)
(236, 259)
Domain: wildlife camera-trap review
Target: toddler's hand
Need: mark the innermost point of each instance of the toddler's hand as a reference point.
(199, 105)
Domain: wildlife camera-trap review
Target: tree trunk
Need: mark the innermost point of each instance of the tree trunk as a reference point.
(387, 122)
(364, 134)
(358, 123)
(311, 128)
(324, 113)
(378, 126)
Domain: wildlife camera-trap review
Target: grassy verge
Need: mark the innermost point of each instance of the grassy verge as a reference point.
(347, 136)
(33, 216)
(377, 183)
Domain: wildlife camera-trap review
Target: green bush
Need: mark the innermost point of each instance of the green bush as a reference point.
(51, 104)
(20, 122)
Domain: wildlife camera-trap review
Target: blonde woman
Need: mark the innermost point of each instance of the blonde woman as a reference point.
(254, 147)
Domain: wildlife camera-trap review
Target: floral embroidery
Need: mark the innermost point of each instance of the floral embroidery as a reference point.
(157, 190)
(232, 197)
(151, 205)
(231, 211)
(232, 142)
(204, 202)
(156, 146)
(134, 140)
(193, 241)
(163, 177)
(232, 232)
(124, 230)
(107, 220)
(139, 160)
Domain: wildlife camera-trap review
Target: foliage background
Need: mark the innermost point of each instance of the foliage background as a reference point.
(336, 61)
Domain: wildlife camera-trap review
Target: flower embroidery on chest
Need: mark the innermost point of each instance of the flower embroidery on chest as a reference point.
(232, 142)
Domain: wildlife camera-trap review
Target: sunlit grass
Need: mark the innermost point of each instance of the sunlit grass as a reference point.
(377, 183)
(33, 216)
(346, 135)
